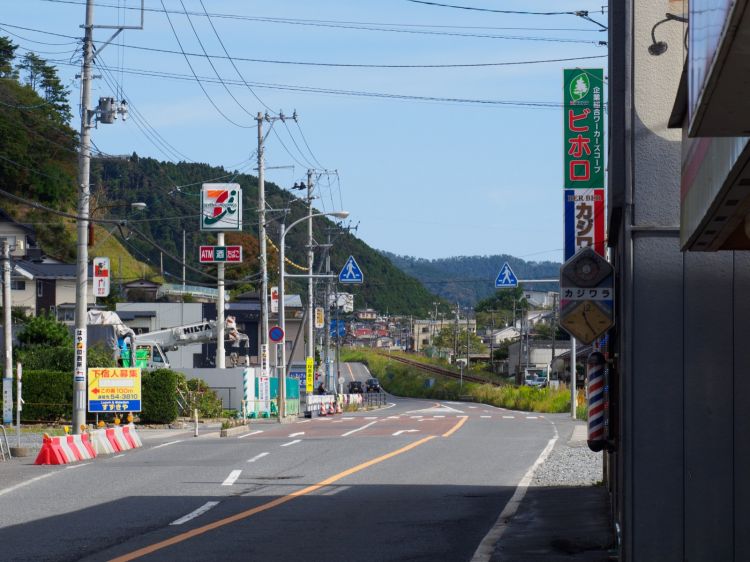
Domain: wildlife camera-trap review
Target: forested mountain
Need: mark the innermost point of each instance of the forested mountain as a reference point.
(38, 162)
(469, 279)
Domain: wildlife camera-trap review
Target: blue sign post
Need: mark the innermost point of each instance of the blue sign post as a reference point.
(351, 273)
(506, 279)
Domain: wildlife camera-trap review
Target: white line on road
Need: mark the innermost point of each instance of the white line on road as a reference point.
(258, 456)
(193, 514)
(508, 417)
(400, 431)
(22, 484)
(296, 434)
(531, 417)
(292, 442)
(118, 456)
(232, 478)
(359, 429)
(251, 433)
(77, 465)
(304, 421)
(350, 418)
(416, 417)
(487, 546)
(486, 417)
(438, 416)
(371, 418)
(472, 407)
(167, 443)
(337, 421)
(393, 417)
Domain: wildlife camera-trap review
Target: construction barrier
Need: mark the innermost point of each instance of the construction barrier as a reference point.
(73, 448)
(101, 444)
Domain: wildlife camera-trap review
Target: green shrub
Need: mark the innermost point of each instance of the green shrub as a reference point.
(61, 358)
(198, 394)
(47, 395)
(159, 390)
(44, 330)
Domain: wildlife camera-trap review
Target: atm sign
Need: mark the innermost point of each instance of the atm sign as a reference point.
(220, 254)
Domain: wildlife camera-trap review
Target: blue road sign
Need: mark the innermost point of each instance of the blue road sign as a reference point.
(506, 279)
(276, 334)
(350, 273)
(338, 328)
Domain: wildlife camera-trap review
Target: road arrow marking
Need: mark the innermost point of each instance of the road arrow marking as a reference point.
(292, 442)
(232, 478)
(251, 433)
(258, 456)
(399, 432)
(193, 514)
(359, 429)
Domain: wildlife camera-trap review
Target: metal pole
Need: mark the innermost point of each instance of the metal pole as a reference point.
(573, 377)
(467, 338)
(183, 263)
(310, 259)
(220, 356)
(19, 402)
(262, 237)
(84, 169)
(7, 304)
(327, 311)
(281, 373)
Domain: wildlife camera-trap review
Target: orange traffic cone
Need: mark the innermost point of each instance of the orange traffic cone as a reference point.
(338, 408)
(322, 412)
(331, 410)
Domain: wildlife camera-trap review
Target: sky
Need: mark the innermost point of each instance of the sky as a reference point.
(427, 178)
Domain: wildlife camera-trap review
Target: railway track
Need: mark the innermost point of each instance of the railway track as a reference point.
(438, 370)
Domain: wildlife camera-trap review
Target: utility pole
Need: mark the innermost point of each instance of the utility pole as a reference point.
(310, 263)
(107, 113)
(183, 265)
(492, 340)
(455, 336)
(467, 338)
(554, 333)
(263, 257)
(82, 260)
(7, 305)
(220, 356)
(327, 315)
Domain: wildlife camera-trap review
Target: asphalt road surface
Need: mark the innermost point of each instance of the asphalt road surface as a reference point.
(416, 480)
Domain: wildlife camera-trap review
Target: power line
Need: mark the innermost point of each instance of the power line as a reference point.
(474, 9)
(335, 23)
(205, 92)
(307, 145)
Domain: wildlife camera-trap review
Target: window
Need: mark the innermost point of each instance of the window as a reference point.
(39, 289)
(425, 342)
(425, 329)
(17, 285)
(11, 242)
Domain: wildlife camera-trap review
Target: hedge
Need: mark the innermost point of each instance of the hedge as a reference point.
(159, 390)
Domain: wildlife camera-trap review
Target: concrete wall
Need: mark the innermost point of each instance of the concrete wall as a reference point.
(227, 383)
(681, 472)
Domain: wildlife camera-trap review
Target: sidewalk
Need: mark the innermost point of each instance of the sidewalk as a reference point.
(557, 522)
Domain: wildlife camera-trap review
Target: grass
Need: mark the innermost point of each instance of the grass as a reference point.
(405, 380)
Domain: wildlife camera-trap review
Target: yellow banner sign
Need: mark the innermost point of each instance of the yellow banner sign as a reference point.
(309, 371)
(114, 390)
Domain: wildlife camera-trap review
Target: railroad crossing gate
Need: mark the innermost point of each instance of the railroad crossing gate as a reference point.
(586, 296)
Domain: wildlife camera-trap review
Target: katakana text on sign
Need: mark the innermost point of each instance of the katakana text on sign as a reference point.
(584, 128)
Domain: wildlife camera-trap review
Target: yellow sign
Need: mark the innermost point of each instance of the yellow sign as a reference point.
(309, 368)
(320, 320)
(114, 390)
(586, 321)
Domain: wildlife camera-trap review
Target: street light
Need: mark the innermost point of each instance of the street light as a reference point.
(282, 311)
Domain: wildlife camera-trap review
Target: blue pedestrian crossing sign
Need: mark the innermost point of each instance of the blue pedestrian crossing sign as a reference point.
(506, 279)
(350, 273)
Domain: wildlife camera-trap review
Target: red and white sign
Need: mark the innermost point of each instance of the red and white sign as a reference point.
(101, 277)
(274, 300)
(220, 254)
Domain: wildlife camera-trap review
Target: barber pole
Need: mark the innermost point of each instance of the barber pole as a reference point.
(597, 403)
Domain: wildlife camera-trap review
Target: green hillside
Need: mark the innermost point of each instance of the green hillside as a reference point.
(469, 279)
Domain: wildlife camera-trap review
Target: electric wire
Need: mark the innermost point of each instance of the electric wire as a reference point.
(302, 154)
(55, 44)
(192, 70)
(304, 139)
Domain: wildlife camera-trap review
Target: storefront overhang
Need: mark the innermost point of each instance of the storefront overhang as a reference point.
(719, 68)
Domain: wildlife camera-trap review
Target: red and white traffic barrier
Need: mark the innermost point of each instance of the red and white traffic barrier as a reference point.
(65, 449)
(101, 444)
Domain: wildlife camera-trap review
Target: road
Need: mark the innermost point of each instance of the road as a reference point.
(417, 480)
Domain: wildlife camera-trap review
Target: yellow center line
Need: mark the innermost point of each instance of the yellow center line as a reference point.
(456, 427)
(351, 373)
(273, 503)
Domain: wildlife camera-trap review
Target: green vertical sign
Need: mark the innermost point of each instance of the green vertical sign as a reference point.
(583, 121)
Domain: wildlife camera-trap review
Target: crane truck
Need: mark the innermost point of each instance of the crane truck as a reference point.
(147, 350)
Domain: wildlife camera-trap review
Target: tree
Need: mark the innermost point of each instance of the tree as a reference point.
(503, 299)
(448, 338)
(33, 65)
(44, 331)
(7, 55)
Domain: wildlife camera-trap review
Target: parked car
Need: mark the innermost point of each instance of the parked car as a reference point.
(536, 380)
(372, 385)
(355, 387)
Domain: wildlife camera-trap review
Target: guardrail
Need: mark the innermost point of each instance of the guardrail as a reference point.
(372, 399)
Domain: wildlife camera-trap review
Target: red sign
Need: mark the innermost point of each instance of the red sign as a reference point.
(220, 254)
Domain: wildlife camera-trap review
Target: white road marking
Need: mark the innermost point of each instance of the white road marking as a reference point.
(393, 417)
(291, 443)
(531, 417)
(438, 409)
(232, 478)
(400, 431)
(26, 483)
(350, 418)
(486, 417)
(487, 546)
(438, 416)
(455, 403)
(193, 514)
(508, 417)
(258, 456)
(371, 418)
(472, 407)
(337, 421)
(77, 465)
(359, 429)
(296, 434)
(118, 456)
(251, 433)
(304, 421)
(168, 443)
(416, 417)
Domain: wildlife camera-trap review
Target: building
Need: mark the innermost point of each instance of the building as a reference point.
(540, 299)
(536, 355)
(679, 466)
(425, 331)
